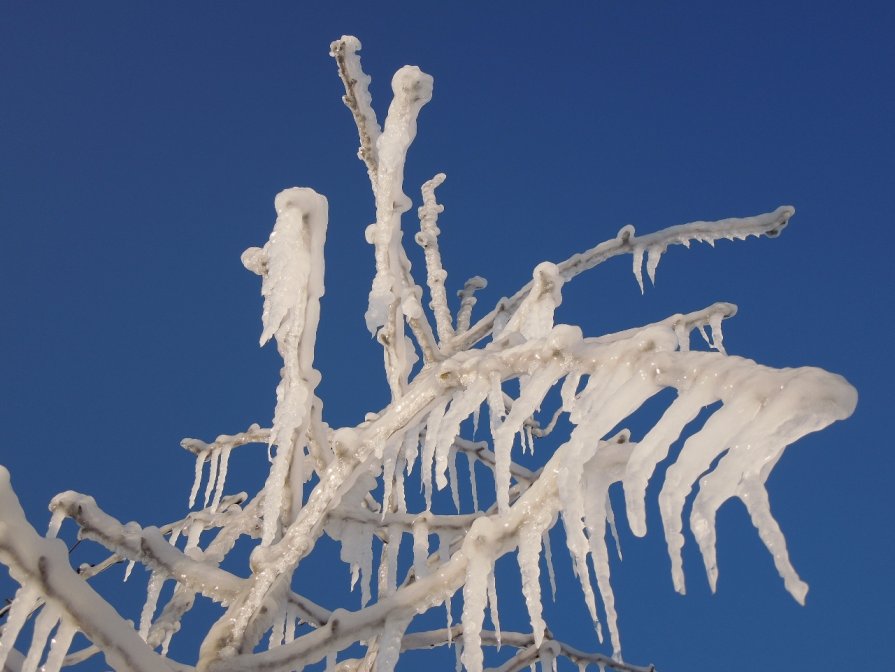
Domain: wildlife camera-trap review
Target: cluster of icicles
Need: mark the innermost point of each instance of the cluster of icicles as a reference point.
(753, 413)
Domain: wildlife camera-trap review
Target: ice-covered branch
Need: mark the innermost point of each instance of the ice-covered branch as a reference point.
(530, 653)
(626, 242)
(291, 268)
(41, 566)
(427, 239)
(358, 99)
(468, 300)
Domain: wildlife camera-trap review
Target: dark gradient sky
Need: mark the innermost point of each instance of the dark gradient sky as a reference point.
(141, 148)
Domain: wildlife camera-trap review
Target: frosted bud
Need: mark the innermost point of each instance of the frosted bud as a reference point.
(563, 337)
(344, 441)
(625, 233)
(255, 260)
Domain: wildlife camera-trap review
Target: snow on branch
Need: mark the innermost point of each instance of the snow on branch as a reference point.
(626, 242)
(533, 381)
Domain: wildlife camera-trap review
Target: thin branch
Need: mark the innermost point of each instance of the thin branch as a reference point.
(468, 300)
(625, 242)
(357, 98)
(427, 239)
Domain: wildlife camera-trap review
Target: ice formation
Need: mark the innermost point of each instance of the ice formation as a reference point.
(733, 418)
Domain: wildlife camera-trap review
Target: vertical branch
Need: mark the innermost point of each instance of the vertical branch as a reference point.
(357, 98)
(394, 295)
(468, 300)
(427, 239)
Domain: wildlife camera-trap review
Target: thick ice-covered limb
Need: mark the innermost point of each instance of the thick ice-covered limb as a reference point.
(42, 564)
(291, 267)
(626, 242)
(394, 294)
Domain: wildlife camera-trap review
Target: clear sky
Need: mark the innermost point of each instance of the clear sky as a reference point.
(141, 148)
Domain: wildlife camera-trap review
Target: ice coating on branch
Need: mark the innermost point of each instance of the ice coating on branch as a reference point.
(390, 644)
(358, 96)
(392, 285)
(291, 268)
(534, 316)
(753, 413)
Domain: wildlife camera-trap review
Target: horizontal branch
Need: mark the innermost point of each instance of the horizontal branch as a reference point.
(769, 224)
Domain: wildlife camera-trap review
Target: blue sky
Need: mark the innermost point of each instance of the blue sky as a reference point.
(141, 147)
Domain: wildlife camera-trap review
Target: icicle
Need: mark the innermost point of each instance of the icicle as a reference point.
(462, 406)
(529, 558)
(470, 462)
(610, 518)
(366, 563)
(278, 631)
(717, 335)
(291, 620)
(548, 557)
(567, 393)
(46, 621)
(390, 644)
(398, 496)
(696, 456)
(704, 334)
(56, 519)
(128, 569)
(395, 535)
(492, 605)
(756, 499)
(411, 447)
(452, 478)
(197, 480)
(683, 337)
(193, 537)
(475, 421)
(166, 641)
(427, 460)
(223, 462)
(655, 445)
(638, 266)
(175, 535)
(153, 589)
(59, 646)
(535, 390)
(572, 515)
(475, 595)
(331, 661)
(444, 555)
(24, 601)
(389, 459)
(458, 656)
(654, 253)
(214, 461)
(420, 547)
